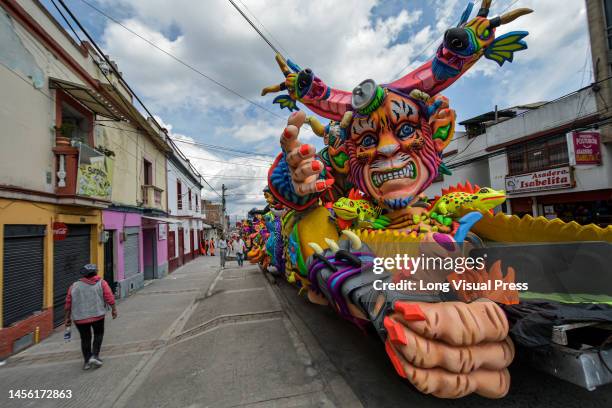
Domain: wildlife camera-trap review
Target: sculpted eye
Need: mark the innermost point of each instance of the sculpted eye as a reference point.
(483, 191)
(485, 34)
(368, 141)
(405, 131)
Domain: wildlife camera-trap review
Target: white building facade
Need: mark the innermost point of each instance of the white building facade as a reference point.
(548, 157)
(185, 206)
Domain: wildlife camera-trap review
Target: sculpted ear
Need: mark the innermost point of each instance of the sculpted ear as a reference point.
(442, 121)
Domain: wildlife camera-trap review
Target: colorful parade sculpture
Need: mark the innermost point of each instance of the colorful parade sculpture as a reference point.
(361, 198)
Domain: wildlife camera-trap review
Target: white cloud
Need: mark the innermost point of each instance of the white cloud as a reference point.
(244, 177)
(341, 41)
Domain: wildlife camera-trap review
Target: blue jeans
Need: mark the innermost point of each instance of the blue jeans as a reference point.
(240, 258)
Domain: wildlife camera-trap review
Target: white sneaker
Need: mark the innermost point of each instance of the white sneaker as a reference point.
(87, 366)
(95, 362)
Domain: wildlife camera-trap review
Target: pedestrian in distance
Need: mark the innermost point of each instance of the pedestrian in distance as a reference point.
(240, 248)
(212, 247)
(222, 245)
(86, 304)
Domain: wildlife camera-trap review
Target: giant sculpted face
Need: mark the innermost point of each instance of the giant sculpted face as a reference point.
(395, 151)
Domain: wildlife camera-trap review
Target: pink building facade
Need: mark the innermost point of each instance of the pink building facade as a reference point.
(135, 249)
(123, 251)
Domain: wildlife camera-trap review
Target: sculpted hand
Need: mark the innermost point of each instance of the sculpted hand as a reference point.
(451, 349)
(305, 168)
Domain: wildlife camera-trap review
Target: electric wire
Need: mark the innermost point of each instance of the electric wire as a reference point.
(265, 29)
(255, 28)
(180, 61)
(118, 74)
(428, 46)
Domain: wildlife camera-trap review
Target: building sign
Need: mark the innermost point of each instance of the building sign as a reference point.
(95, 173)
(162, 232)
(60, 230)
(586, 147)
(552, 179)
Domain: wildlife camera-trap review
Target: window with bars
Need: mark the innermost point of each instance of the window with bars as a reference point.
(148, 172)
(189, 194)
(179, 195)
(538, 155)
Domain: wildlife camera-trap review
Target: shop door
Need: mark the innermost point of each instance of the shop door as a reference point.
(109, 261)
(181, 241)
(172, 262)
(22, 289)
(149, 252)
(69, 256)
(194, 243)
(131, 252)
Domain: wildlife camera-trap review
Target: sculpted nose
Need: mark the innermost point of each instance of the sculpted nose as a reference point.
(388, 149)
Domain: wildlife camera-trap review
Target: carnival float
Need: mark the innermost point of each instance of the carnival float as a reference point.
(333, 212)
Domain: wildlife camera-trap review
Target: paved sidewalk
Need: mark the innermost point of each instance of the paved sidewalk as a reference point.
(198, 338)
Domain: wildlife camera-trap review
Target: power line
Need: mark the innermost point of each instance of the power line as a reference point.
(180, 61)
(205, 145)
(66, 20)
(264, 27)
(120, 77)
(235, 177)
(110, 64)
(427, 47)
(217, 147)
(255, 28)
(413, 59)
(227, 150)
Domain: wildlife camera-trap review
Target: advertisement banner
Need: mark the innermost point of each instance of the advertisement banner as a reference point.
(60, 230)
(587, 148)
(95, 173)
(162, 232)
(552, 179)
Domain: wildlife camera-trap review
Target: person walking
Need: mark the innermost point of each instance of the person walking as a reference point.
(205, 246)
(222, 245)
(212, 247)
(240, 248)
(86, 302)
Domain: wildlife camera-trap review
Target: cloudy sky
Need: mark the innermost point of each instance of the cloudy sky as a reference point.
(343, 41)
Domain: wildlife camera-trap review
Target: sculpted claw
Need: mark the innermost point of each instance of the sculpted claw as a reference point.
(333, 246)
(316, 248)
(355, 241)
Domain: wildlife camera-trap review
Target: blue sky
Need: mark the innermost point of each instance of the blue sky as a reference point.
(343, 42)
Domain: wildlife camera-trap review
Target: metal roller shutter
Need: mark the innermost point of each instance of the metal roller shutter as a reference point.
(23, 283)
(131, 253)
(69, 256)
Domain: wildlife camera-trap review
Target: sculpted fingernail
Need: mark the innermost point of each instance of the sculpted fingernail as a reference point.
(395, 360)
(316, 166)
(304, 149)
(286, 133)
(395, 331)
(410, 311)
(445, 241)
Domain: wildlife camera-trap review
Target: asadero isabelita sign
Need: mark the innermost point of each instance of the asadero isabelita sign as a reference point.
(560, 177)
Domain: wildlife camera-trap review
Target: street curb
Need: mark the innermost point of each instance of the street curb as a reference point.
(337, 387)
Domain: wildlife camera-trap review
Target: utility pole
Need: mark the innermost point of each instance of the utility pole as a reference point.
(223, 207)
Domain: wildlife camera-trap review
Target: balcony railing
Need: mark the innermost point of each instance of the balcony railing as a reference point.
(81, 171)
(152, 197)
